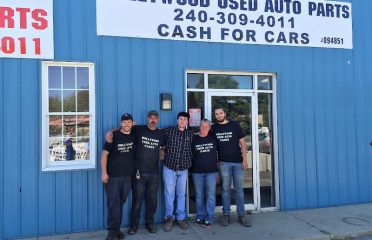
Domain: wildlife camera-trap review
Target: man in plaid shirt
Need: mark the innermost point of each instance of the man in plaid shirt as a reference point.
(177, 161)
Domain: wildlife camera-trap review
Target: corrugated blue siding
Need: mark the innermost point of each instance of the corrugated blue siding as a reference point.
(324, 117)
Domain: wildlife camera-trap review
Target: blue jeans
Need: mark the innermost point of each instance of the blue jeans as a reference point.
(175, 184)
(235, 172)
(205, 189)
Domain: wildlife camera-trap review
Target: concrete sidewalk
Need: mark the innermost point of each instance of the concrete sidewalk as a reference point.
(345, 222)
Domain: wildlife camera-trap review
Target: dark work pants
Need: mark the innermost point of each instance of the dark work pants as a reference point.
(145, 187)
(117, 190)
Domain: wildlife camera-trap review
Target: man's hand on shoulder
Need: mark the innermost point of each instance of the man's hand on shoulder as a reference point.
(109, 136)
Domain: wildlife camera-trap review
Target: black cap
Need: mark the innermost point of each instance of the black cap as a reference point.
(126, 116)
(152, 113)
(183, 114)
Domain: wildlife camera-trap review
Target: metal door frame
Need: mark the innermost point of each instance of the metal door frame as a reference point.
(255, 157)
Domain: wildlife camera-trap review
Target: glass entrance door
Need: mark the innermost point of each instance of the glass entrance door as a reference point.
(249, 99)
(238, 107)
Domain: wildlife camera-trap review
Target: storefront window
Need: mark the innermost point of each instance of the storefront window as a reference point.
(68, 116)
(195, 80)
(264, 83)
(220, 81)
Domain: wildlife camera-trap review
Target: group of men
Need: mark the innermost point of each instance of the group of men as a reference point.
(130, 160)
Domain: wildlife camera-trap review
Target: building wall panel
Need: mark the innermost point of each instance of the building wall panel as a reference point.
(2, 138)
(29, 145)
(359, 92)
(309, 132)
(364, 110)
(62, 29)
(298, 126)
(12, 148)
(152, 81)
(63, 202)
(79, 201)
(46, 204)
(77, 29)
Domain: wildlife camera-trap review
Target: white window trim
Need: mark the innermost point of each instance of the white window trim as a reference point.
(46, 165)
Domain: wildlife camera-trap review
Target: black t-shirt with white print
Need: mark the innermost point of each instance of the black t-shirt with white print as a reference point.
(148, 143)
(228, 136)
(120, 162)
(204, 151)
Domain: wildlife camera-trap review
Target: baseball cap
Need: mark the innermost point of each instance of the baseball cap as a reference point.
(152, 113)
(126, 116)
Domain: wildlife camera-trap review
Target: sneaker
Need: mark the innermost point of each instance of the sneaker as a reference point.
(168, 224)
(132, 230)
(199, 222)
(225, 220)
(151, 228)
(120, 235)
(206, 224)
(183, 224)
(243, 220)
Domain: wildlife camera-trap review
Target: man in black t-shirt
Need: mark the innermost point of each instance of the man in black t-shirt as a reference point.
(149, 139)
(117, 163)
(232, 155)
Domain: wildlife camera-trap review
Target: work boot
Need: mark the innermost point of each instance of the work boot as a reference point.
(168, 224)
(151, 228)
(243, 220)
(112, 235)
(225, 220)
(120, 235)
(183, 224)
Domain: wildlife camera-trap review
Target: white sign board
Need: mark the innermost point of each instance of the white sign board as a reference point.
(303, 23)
(195, 117)
(26, 29)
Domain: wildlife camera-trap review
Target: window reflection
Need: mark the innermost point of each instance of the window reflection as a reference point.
(83, 125)
(82, 149)
(69, 121)
(82, 101)
(265, 126)
(68, 77)
(54, 77)
(55, 126)
(68, 149)
(82, 74)
(55, 101)
(195, 80)
(238, 108)
(56, 149)
(264, 83)
(69, 101)
(230, 81)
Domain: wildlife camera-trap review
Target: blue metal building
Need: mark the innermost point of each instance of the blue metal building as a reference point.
(322, 120)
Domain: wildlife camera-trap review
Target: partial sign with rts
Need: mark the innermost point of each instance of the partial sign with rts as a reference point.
(26, 29)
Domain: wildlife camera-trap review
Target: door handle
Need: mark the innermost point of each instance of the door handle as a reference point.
(370, 144)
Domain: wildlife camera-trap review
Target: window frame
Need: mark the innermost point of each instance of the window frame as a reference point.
(49, 166)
